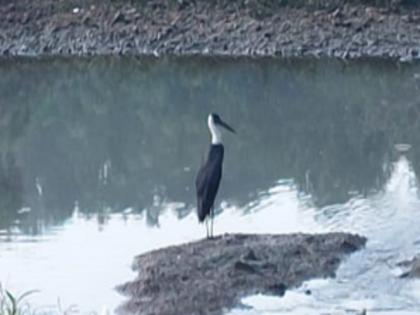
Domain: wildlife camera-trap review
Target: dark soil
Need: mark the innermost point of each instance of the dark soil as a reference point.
(209, 276)
(185, 27)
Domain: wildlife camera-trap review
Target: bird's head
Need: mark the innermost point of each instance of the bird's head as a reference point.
(214, 120)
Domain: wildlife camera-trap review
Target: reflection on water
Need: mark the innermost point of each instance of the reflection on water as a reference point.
(62, 258)
(112, 133)
(368, 279)
(98, 158)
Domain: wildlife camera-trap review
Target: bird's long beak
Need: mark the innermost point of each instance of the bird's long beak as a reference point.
(226, 126)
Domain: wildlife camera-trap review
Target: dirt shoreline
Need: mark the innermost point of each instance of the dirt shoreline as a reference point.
(208, 277)
(75, 27)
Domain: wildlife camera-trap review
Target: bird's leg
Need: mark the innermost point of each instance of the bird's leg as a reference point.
(212, 219)
(207, 227)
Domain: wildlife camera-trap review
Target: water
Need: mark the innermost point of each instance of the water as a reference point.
(98, 158)
(369, 278)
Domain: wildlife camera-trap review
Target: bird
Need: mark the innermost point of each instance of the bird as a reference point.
(210, 173)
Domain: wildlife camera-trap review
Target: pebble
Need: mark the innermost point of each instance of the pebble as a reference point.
(199, 28)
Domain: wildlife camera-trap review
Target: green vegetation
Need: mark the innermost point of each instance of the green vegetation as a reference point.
(10, 304)
(14, 305)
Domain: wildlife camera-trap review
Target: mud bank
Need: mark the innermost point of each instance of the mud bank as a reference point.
(228, 28)
(210, 276)
(411, 267)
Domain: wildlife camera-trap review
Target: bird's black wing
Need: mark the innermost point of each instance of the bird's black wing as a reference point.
(208, 180)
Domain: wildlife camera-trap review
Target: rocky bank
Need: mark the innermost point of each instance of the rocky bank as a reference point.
(186, 27)
(209, 276)
(411, 268)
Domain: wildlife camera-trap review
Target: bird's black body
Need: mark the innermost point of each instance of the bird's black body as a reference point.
(208, 180)
(210, 173)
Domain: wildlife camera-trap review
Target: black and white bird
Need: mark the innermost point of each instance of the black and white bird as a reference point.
(210, 173)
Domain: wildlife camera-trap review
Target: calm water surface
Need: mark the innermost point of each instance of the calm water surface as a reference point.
(98, 158)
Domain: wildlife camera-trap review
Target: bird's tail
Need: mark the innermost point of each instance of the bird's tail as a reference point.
(201, 213)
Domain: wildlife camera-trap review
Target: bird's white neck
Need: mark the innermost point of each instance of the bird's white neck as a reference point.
(216, 134)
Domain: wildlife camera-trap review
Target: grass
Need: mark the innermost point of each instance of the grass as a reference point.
(11, 304)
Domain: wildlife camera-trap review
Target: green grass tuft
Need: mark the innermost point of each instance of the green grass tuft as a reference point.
(11, 304)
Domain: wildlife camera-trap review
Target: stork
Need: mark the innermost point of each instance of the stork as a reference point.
(210, 173)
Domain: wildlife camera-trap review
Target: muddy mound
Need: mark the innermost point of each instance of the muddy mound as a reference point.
(209, 276)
